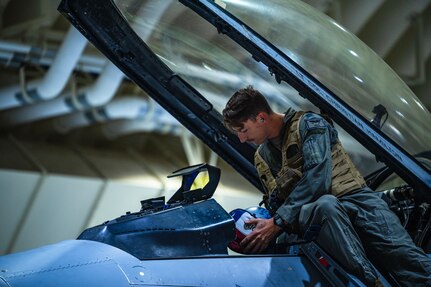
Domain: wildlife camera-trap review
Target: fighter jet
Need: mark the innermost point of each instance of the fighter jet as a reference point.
(184, 52)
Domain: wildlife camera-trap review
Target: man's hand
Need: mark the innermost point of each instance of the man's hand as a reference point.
(264, 232)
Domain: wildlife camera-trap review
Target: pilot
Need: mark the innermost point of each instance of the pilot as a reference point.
(310, 180)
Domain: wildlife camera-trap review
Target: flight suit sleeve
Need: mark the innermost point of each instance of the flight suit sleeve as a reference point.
(316, 135)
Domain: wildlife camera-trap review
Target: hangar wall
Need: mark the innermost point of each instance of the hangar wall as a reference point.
(50, 193)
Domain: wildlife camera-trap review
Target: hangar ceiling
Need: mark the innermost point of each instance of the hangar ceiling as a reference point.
(81, 98)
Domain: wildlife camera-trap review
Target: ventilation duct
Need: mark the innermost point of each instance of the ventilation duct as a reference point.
(54, 81)
(156, 119)
(124, 108)
(15, 55)
(96, 95)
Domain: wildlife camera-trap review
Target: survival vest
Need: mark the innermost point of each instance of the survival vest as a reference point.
(345, 176)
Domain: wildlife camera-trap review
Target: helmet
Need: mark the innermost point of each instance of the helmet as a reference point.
(242, 229)
(259, 212)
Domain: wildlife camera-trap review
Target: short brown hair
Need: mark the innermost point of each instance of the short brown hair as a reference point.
(245, 104)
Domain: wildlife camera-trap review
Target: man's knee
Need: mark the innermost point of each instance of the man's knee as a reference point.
(317, 212)
(327, 206)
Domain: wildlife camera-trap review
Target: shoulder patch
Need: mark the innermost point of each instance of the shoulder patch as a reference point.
(314, 123)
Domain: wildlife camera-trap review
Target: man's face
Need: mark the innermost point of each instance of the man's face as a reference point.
(252, 131)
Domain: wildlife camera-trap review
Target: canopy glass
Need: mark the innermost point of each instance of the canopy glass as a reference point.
(216, 66)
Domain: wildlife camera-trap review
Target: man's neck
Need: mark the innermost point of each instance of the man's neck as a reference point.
(275, 125)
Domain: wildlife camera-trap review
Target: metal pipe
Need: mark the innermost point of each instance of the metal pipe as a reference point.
(55, 79)
(104, 89)
(98, 94)
(127, 107)
(155, 119)
(18, 54)
(62, 67)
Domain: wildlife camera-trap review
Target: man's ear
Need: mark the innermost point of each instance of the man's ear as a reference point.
(261, 117)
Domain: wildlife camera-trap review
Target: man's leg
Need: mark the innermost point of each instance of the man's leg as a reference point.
(386, 241)
(337, 236)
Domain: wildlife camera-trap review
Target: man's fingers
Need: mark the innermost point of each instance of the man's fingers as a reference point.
(252, 221)
(249, 242)
(258, 247)
(251, 247)
(258, 239)
(252, 244)
(247, 239)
